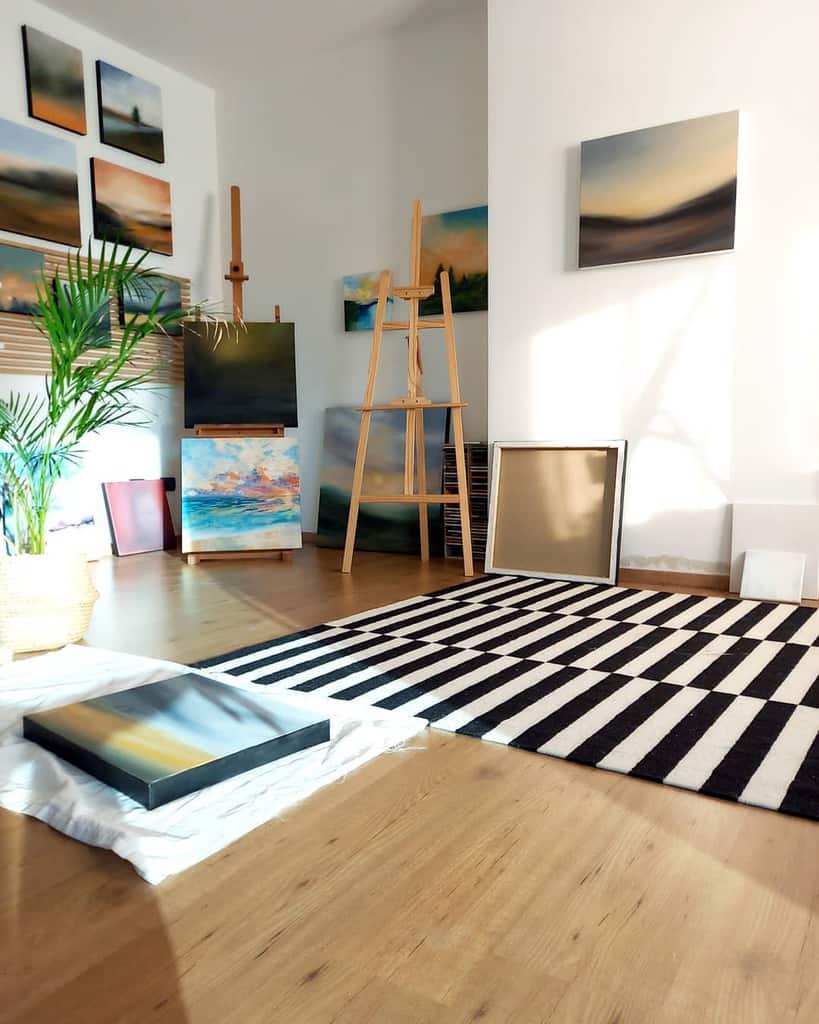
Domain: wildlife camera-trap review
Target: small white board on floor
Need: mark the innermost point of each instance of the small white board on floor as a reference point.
(773, 575)
(774, 527)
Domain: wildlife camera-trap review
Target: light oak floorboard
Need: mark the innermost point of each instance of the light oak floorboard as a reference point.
(453, 881)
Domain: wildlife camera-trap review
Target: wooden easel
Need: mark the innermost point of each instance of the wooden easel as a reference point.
(414, 404)
(237, 276)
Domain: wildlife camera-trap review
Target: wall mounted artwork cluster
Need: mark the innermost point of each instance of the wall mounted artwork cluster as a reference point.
(39, 188)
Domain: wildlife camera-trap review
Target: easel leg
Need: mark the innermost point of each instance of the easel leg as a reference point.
(423, 510)
(463, 495)
(355, 495)
(409, 451)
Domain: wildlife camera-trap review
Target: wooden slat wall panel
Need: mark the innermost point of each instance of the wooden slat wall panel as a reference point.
(24, 350)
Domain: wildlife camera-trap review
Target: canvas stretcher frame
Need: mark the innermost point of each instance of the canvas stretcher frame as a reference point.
(502, 513)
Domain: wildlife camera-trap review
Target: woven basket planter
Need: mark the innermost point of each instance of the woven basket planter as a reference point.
(46, 601)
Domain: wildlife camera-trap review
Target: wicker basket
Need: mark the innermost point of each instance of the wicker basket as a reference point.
(46, 601)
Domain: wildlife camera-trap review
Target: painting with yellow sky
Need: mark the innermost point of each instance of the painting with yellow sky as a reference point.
(659, 192)
(131, 208)
(21, 273)
(457, 242)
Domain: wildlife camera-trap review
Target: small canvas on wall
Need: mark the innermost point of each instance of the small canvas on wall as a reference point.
(39, 195)
(659, 192)
(21, 273)
(240, 494)
(131, 208)
(102, 332)
(55, 81)
(137, 300)
(459, 243)
(361, 300)
(130, 112)
(381, 527)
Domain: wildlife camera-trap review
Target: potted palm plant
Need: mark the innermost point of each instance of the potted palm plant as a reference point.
(46, 599)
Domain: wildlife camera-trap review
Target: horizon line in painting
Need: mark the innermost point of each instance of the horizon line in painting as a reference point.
(240, 494)
(55, 81)
(361, 301)
(659, 192)
(131, 208)
(39, 192)
(21, 273)
(456, 242)
(130, 111)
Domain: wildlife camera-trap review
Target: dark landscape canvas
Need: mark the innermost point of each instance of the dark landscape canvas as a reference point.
(659, 192)
(381, 527)
(131, 208)
(39, 196)
(459, 243)
(130, 112)
(21, 272)
(55, 81)
(137, 300)
(102, 332)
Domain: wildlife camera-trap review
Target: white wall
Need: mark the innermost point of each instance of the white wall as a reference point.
(191, 167)
(330, 152)
(708, 365)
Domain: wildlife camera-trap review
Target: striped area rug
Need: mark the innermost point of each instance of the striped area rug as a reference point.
(717, 696)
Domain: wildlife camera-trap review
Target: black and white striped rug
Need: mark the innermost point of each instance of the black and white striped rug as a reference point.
(718, 696)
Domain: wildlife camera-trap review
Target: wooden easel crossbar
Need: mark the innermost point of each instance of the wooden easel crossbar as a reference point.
(413, 404)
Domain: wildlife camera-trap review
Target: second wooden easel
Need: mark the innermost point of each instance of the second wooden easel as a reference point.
(413, 403)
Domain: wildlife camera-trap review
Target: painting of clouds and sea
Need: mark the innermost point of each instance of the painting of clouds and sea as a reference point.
(240, 494)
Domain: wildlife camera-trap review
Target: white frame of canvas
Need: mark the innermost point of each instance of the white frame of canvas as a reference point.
(498, 448)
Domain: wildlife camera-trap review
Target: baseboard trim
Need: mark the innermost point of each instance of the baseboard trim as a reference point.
(660, 578)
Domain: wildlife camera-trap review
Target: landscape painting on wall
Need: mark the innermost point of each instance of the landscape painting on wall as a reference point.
(102, 327)
(381, 527)
(21, 272)
(361, 300)
(131, 208)
(659, 192)
(54, 81)
(240, 494)
(130, 113)
(137, 300)
(459, 243)
(39, 196)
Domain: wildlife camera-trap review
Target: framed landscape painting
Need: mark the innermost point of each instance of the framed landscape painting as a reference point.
(39, 196)
(659, 192)
(240, 494)
(459, 243)
(361, 300)
(55, 82)
(130, 111)
(137, 300)
(21, 272)
(131, 208)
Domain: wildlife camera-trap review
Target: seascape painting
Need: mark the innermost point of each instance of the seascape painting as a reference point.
(137, 300)
(457, 242)
(21, 273)
(387, 527)
(130, 113)
(361, 300)
(659, 192)
(55, 81)
(240, 494)
(39, 196)
(131, 208)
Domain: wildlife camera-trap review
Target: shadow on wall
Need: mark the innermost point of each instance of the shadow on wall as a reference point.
(651, 359)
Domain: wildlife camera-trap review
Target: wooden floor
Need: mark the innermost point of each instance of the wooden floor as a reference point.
(453, 882)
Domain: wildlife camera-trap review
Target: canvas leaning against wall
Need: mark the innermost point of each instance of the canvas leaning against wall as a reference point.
(659, 192)
(55, 82)
(240, 494)
(459, 243)
(381, 527)
(39, 195)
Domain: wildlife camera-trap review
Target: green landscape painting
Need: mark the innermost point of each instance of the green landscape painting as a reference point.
(457, 242)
